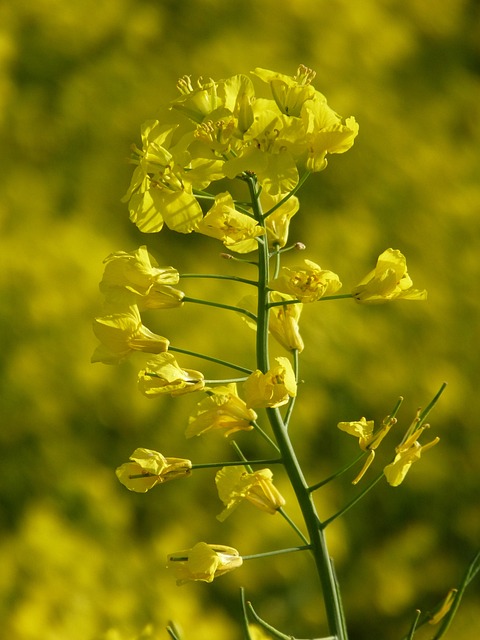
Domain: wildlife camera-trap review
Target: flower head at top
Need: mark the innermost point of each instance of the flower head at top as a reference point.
(204, 562)
(149, 468)
(235, 484)
(273, 388)
(122, 333)
(222, 410)
(308, 283)
(388, 281)
(163, 375)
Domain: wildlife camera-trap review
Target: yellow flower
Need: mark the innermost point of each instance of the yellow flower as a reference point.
(283, 322)
(203, 562)
(361, 429)
(122, 333)
(388, 281)
(289, 93)
(149, 468)
(308, 283)
(271, 389)
(278, 222)
(407, 453)
(368, 439)
(236, 230)
(138, 273)
(160, 190)
(235, 484)
(163, 375)
(222, 410)
(325, 132)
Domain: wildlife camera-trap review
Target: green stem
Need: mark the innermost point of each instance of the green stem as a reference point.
(220, 305)
(232, 463)
(292, 523)
(300, 183)
(284, 302)
(353, 502)
(202, 356)
(213, 276)
(337, 474)
(318, 545)
(277, 552)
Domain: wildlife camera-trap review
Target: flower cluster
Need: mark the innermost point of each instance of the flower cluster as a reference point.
(406, 453)
(221, 129)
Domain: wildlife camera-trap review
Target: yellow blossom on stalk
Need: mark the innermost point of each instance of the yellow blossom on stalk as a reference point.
(122, 333)
(149, 468)
(289, 92)
(235, 484)
(388, 281)
(308, 283)
(222, 410)
(138, 273)
(368, 439)
(283, 322)
(278, 222)
(325, 132)
(236, 230)
(160, 190)
(162, 375)
(204, 562)
(407, 453)
(273, 388)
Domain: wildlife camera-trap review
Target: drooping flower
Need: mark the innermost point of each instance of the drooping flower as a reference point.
(137, 272)
(283, 322)
(149, 468)
(368, 439)
(278, 222)
(308, 283)
(122, 333)
(236, 230)
(204, 562)
(273, 388)
(388, 281)
(222, 410)
(407, 453)
(325, 132)
(235, 484)
(160, 190)
(163, 375)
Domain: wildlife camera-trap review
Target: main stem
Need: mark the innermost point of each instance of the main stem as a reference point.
(316, 534)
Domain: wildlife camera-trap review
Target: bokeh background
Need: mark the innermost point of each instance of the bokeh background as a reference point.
(80, 556)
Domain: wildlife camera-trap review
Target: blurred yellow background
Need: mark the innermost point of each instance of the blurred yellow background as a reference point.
(79, 555)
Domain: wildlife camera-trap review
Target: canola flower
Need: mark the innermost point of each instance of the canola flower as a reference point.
(149, 468)
(163, 375)
(235, 484)
(223, 411)
(203, 562)
(122, 333)
(273, 388)
(308, 283)
(388, 281)
(220, 131)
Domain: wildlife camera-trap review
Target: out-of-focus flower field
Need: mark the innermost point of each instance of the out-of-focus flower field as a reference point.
(81, 557)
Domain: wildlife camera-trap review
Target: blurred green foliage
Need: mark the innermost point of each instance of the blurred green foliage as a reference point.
(79, 555)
